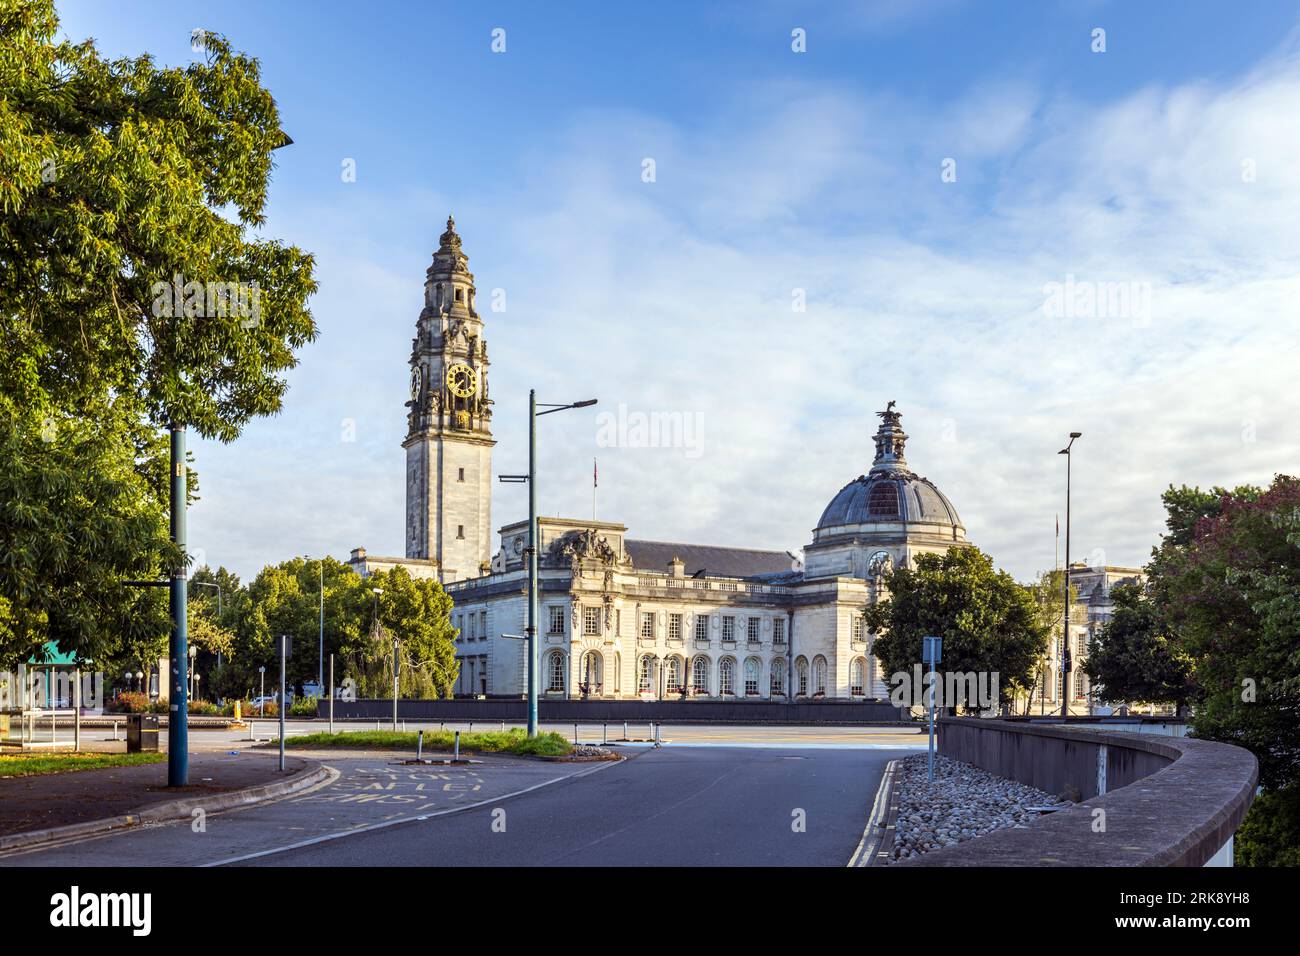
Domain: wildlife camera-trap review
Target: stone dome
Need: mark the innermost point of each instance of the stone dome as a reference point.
(890, 499)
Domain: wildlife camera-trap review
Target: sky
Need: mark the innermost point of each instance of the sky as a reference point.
(1008, 222)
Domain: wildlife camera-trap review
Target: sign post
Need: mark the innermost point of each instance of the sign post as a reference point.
(931, 653)
(284, 653)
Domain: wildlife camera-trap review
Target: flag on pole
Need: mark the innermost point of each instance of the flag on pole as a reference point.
(594, 482)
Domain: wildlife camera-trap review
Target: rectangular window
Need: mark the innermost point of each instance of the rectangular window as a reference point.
(647, 624)
(557, 620)
(857, 628)
(752, 635)
(701, 627)
(472, 635)
(460, 474)
(728, 628)
(778, 631)
(482, 625)
(674, 627)
(460, 531)
(591, 621)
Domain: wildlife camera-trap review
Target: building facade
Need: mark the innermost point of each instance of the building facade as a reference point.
(1091, 611)
(624, 617)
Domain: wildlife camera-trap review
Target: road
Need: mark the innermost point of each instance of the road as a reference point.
(712, 796)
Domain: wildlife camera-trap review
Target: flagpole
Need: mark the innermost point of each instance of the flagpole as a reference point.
(593, 489)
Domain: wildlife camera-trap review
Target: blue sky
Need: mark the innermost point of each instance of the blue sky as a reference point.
(1164, 166)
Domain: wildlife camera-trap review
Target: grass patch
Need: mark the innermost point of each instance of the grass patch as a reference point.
(28, 765)
(514, 741)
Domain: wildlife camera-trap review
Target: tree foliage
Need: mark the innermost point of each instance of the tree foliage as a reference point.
(1134, 657)
(119, 180)
(988, 622)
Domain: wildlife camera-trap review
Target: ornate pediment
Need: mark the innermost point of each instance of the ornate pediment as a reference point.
(579, 546)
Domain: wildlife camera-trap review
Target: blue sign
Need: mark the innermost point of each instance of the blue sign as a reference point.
(931, 649)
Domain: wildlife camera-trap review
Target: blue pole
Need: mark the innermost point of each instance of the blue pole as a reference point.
(533, 545)
(178, 756)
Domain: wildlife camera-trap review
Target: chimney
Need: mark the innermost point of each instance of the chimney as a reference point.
(677, 567)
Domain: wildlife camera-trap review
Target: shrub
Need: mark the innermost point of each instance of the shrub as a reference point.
(130, 702)
(304, 707)
(203, 708)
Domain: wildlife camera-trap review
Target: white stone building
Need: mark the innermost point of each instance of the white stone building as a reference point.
(1091, 611)
(624, 617)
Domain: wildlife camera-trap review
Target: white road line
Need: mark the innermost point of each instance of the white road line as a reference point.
(871, 836)
(412, 819)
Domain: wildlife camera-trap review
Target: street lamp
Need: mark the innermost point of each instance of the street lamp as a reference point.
(1065, 627)
(534, 541)
(320, 663)
(261, 697)
(376, 592)
(193, 653)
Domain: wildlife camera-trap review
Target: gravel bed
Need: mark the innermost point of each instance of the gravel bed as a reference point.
(591, 750)
(964, 802)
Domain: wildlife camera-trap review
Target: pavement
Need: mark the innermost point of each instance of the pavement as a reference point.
(64, 799)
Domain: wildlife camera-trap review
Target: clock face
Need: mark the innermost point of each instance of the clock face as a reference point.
(461, 380)
(415, 382)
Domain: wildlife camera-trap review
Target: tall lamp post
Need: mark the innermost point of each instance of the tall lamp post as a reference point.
(320, 660)
(1065, 627)
(533, 541)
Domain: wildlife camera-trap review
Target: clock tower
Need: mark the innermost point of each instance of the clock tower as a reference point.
(449, 423)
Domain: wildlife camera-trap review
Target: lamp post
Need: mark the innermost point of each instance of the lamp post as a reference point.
(320, 662)
(533, 540)
(375, 624)
(1065, 627)
(261, 697)
(209, 584)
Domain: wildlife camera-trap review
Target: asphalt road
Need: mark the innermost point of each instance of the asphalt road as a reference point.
(793, 796)
(688, 806)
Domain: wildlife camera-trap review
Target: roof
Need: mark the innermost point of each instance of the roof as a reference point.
(726, 562)
(889, 496)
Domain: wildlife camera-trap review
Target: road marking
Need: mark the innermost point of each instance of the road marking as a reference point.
(874, 832)
(793, 745)
(368, 828)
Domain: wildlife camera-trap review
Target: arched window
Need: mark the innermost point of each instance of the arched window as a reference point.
(674, 676)
(777, 681)
(700, 675)
(555, 673)
(727, 677)
(801, 676)
(753, 671)
(593, 672)
(819, 675)
(1078, 684)
(858, 677)
(644, 675)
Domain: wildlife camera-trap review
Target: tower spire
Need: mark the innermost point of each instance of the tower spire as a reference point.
(889, 441)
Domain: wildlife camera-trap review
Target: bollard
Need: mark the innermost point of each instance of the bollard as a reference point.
(419, 746)
(575, 733)
(403, 726)
(377, 725)
(503, 726)
(657, 735)
(625, 736)
(604, 733)
(471, 726)
(455, 754)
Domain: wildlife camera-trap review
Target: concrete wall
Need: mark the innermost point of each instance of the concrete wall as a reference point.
(1167, 801)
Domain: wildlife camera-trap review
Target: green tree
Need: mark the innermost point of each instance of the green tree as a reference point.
(1134, 658)
(119, 181)
(988, 622)
(417, 612)
(1230, 598)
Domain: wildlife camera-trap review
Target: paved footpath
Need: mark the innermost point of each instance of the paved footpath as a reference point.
(367, 790)
(60, 799)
